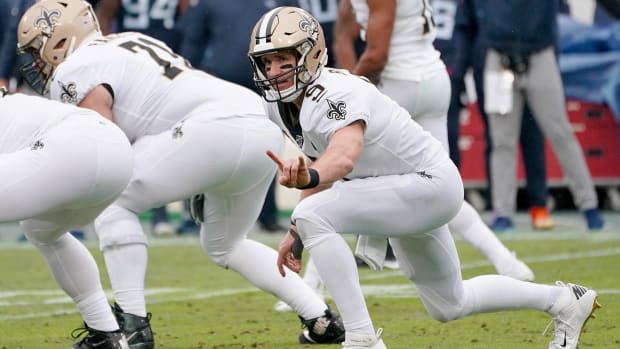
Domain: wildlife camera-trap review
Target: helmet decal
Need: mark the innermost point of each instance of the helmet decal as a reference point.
(47, 20)
(309, 25)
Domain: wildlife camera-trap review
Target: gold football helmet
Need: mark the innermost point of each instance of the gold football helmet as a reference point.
(287, 29)
(47, 33)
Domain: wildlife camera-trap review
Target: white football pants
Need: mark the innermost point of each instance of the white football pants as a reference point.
(224, 159)
(84, 163)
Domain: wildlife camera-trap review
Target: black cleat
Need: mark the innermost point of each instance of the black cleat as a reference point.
(136, 329)
(327, 329)
(98, 339)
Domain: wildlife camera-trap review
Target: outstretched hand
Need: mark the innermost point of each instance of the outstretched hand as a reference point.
(293, 172)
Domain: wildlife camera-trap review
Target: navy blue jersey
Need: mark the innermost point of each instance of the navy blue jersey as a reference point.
(444, 14)
(156, 18)
(216, 35)
(10, 14)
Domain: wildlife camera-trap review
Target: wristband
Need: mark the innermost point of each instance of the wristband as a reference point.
(314, 179)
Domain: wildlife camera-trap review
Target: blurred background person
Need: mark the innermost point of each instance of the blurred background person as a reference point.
(520, 68)
(470, 54)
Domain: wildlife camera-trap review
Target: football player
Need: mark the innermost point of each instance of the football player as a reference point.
(401, 57)
(60, 167)
(375, 171)
(176, 118)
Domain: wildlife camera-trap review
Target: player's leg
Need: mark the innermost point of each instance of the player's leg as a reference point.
(321, 216)
(431, 262)
(231, 208)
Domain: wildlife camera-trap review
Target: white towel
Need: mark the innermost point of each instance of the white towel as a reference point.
(372, 250)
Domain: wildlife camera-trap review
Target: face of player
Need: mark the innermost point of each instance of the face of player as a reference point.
(281, 66)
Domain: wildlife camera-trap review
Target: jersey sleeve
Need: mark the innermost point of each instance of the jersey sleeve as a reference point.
(72, 82)
(339, 106)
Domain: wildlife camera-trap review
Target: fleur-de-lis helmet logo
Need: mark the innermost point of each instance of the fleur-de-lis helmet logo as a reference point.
(336, 110)
(310, 26)
(48, 19)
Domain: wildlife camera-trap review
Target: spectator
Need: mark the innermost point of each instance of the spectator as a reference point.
(375, 171)
(520, 68)
(531, 138)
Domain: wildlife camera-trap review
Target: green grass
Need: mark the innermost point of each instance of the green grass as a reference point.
(198, 305)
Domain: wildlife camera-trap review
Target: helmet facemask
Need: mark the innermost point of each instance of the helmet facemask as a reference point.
(35, 71)
(48, 32)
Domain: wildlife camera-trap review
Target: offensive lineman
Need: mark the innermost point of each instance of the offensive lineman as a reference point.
(176, 118)
(377, 172)
(88, 160)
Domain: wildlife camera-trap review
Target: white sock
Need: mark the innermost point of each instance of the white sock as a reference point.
(76, 272)
(257, 263)
(126, 266)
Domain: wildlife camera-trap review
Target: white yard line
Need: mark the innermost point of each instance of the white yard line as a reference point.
(168, 295)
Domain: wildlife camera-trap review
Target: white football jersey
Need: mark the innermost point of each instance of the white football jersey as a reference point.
(153, 87)
(393, 142)
(412, 54)
(24, 121)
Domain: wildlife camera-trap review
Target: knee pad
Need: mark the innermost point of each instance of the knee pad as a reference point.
(118, 226)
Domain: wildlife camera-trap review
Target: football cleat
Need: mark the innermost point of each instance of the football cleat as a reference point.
(98, 339)
(570, 313)
(364, 341)
(327, 329)
(136, 329)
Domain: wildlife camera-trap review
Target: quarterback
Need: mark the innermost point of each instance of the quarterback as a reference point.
(375, 171)
(176, 118)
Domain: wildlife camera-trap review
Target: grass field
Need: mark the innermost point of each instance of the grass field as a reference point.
(198, 305)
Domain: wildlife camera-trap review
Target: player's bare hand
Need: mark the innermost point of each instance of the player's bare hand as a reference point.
(286, 256)
(293, 172)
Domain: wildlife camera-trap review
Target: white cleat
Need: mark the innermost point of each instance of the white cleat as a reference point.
(363, 341)
(570, 313)
(515, 268)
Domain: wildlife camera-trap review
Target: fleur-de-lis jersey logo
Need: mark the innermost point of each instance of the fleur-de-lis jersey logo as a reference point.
(309, 25)
(336, 110)
(69, 93)
(47, 19)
